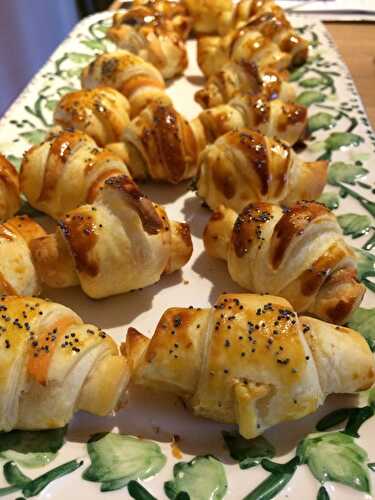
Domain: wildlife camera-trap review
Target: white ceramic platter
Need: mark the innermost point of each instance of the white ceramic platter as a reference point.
(344, 137)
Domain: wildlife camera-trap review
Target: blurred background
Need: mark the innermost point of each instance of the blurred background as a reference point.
(30, 30)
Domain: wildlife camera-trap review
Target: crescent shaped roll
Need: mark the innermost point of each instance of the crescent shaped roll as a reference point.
(53, 364)
(242, 45)
(205, 14)
(174, 13)
(278, 119)
(244, 166)
(139, 81)
(276, 27)
(65, 171)
(17, 272)
(144, 32)
(240, 78)
(250, 360)
(120, 243)
(160, 144)
(298, 253)
(101, 113)
(10, 200)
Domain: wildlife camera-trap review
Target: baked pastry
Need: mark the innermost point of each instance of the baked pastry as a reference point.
(160, 144)
(121, 242)
(10, 201)
(278, 119)
(243, 12)
(53, 365)
(244, 166)
(65, 171)
(245, 45)
(275, 26)
(298, 253)
(144, 31)
(249, 360)
(244, 77)
(101, 113)
(139, 81)
(174, 12)
(17, 272)
(206, 14)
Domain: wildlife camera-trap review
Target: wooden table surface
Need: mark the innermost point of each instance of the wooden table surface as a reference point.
(356, 44)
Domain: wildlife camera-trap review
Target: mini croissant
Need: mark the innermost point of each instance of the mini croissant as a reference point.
(298, 253)
(139, 81)
(243, 12)
(174, 14)
(65, 171)
(249, 360)
(206, 14)
(278, 119)
(17, 272)
(52, 365)
(244, 166)
(243, 45)
(10, 201)
(121, 242)
(160, 144)
(243, 77)
(144, 31)
(101, 113)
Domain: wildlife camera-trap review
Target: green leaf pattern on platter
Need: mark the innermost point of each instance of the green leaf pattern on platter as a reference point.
(330, 199)
(335, 456)
(117, 459)
(203, 478)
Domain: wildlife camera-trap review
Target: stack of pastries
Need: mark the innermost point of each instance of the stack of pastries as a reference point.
(250, 359)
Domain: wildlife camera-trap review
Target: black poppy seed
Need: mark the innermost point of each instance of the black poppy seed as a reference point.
(7, 343)
(229, 327)
(307, 358)
(240, 337)
(253, 349)
(176, 346)
(256, 327)
(198, 326)
(226, 370)
(242, 354)
(226, 343)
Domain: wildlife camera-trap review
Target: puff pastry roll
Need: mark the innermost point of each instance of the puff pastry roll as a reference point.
(65, 171)
(17, 272)
(10, 201)
(174, 13)
(53, 364)
(144, 31)
(250, 360)
(101, 113)
(275, 26)
(139, 81)
(206, 14)
(122, 242)
(243, 45)
(244, 166)
(244, 77)
(297, 252)
(160, 144)
(282, 120)
(244, 11)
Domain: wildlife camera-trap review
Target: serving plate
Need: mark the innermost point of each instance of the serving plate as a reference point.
(340, 133)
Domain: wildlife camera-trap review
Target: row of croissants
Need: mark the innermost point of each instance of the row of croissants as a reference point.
(250, 359)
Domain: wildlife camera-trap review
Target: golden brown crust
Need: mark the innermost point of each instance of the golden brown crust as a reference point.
(101, 113)
(10, 200)
(297, 252)
(18, 275)
(145, 31)
(250, 360)
(243, 166)
(138, 80)
(42, 346)
(162, 145)
(65, 171)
